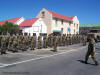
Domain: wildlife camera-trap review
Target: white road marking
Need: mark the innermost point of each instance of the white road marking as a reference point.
(27, 54)
(42, 57)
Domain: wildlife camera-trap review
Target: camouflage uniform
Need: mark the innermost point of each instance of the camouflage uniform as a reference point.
(33, 42)
(25, 43)
(15, 43)
(45, 41)
(39, 42)
(3, 44)
(10, 43)
(55, 40)
(91, 51)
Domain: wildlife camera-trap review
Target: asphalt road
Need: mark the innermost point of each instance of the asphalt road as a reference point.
(67, 61)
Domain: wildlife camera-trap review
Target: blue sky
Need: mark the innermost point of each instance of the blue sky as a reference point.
(88, 11)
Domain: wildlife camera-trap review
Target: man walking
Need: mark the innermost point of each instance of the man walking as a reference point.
(91, 51)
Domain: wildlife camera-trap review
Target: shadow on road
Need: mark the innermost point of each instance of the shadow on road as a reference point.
(82, 61)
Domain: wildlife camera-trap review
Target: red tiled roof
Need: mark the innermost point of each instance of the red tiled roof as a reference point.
(10, 20)
(61, 16)
(28, 22)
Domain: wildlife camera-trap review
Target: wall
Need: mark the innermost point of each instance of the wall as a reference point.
(47, 19)
(76, 26)
(59, 25)
(38, 27)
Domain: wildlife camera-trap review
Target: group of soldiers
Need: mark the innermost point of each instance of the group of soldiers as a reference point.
(16, 42)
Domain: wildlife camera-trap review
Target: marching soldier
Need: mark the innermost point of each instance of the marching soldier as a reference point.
(91, 51)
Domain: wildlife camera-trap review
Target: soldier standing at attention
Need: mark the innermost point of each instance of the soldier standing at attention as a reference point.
(91, 51)
(45, 41)
(55, 40)
(40, 41)
(33, 41)
(3, 44)
(15, 43)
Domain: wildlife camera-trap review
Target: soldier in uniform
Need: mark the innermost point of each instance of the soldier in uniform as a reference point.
(40, 41)
(45, 41)
(26, 41)
(20, 41)
(55, 40)
(33, 41)
(84, 40)
(3, 44)
(15, 43)
(10, 42)
(91, 51)
(70, 40)
(67, 40)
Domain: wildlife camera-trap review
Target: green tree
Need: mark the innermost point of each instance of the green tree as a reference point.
(9, 27)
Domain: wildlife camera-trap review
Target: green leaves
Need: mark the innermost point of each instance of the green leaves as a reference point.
(9, 27)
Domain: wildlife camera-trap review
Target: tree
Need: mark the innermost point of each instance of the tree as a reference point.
(9, 27)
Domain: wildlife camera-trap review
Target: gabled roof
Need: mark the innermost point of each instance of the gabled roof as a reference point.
(14, 20)
(28, 22)
(60, 16)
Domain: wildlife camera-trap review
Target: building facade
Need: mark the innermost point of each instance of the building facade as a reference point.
(59, 23)
(35, 25)
(29, 26)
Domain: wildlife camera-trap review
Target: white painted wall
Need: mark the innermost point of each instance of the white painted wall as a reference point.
(59, 25)
(76, 22)
(38, 27)
(66, 25)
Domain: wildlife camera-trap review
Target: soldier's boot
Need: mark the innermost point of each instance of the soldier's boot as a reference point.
(15, 51)
(3, 52)
(55, 50)
(24, 49)
(85, 62)
(96, 63)
(32, 49)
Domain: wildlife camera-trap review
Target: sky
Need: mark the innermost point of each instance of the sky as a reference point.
(87, 11)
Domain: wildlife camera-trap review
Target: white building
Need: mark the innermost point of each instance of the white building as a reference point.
(29, 26)
(35, 25)
(59, 23)
(47, 22)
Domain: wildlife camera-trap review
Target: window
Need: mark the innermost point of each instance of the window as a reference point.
(62, 22)
(43, 14)
(69, 23)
